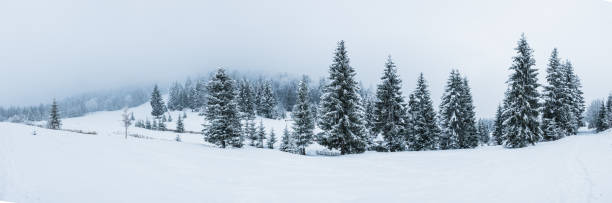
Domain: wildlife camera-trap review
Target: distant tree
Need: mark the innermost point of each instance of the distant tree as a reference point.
(199, 95)
(592, 113)
(271, 140)
(170, 117)
(267, 103)
(157, 104)
(483, 132)
(498, 130)
(132, 116)
(341, 119)
(425, 127)
(287, 144)
(388, 111)
(127, 122)
(303, 122)
(54, 117)
(224, 125)
(148, 124)
(603, 121)
(251, 132)
(246, 100)
(180, 128)
(522, 126)
(261, 135)
(184, 115)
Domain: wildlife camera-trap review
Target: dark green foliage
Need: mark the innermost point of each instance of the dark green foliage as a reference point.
(341, 119)
(521, 125)
(180, 128)
(303, 121)
(271, 140)
(425, 132)
(54, 117)
(224, 127)
(457, 115)
(157, 104)
(389, 109)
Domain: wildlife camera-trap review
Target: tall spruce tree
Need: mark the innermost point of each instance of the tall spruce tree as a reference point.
(267, 103)
(287, 144)
(451, 113)
(557, 107)
(389, 108)
(224, 126)
(470, 140)
(577, 103)
(303, 121)
(498, 126)
(603, 121)
(174, 97)
(246, 100)
(261, 135)
(341, 119)
(426, 132)
(250, 131)
(54, 117)
(157, 104)
(521, 125)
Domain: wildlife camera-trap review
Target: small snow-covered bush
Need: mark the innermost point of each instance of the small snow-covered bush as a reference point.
(326, 152)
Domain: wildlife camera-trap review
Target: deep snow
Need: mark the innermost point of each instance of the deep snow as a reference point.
(58, 166)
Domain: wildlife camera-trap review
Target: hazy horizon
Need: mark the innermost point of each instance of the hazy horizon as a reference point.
(63, 48)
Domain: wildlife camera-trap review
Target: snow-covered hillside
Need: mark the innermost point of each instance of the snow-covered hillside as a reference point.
(59, 166)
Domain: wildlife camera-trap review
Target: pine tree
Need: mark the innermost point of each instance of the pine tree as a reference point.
(132, 116)
(148, 124)
(246, 100)
(426, 131)
(161, 126)
(370, 120)
(388, 109)
(609, 109)
(498, 130)
(199, 95)
(341, 119)
(261, 135)
(521, 125)
(251, 131)
(556, 111)
(483, 132)
(154, 126)
(451, 113)
(174, 97)
(271, 140)
(224, 126)
(267, 103)
(170, 118)
(603, 121)
(470, 138)
(180, 128)
(54, 117)
(577, 103)
(157, 104)
(287, 144)
(303, 122)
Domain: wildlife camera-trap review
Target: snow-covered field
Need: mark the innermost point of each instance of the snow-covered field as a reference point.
(58, 166)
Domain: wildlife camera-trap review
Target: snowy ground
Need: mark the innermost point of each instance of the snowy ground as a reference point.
(58, 166)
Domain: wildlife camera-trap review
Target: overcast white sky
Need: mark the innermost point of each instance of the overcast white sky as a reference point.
(61, 47)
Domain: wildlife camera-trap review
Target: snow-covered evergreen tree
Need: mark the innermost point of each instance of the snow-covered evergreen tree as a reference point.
(498, 126)
(261, 135)
(271, 140)
(161, 126)
(341, 119)
(389, 108)
(180, 128)
(169, 118)
(224, 126)
(199, 95)
(246, 100)
(370, 120)
(303, 122)
(54, 117)
(287, 144)
(483, 132)
(425, 127)
(250, 131)
(603, 121)
(148, 124)
(157, 104)
(577, 103)
(521, 125)
(470, 140)
(267, 103)
(557, 111)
